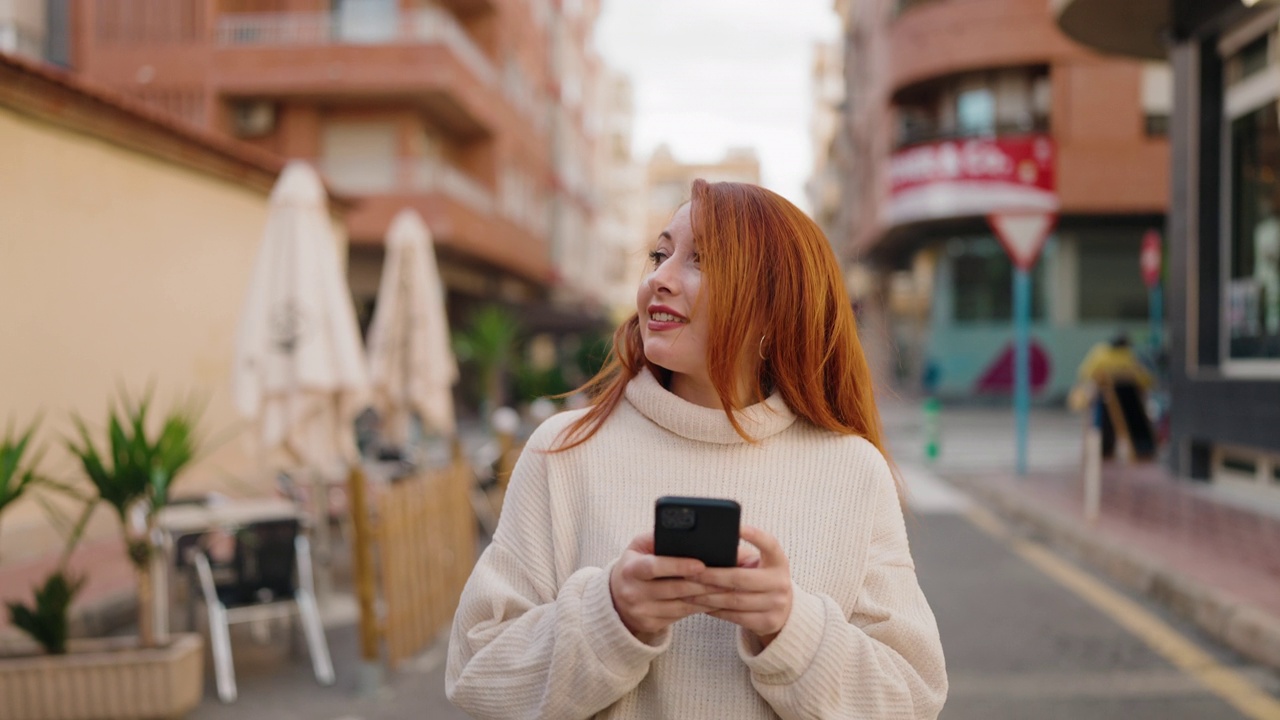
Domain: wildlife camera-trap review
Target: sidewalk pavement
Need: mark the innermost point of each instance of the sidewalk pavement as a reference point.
(1209, 553)
(1208, 561)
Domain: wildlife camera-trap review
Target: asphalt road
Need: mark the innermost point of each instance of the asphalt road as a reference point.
(1021, 644)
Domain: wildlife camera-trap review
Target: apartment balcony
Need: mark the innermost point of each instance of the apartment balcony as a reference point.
(937, 38)
(421, 57)
(461, 212)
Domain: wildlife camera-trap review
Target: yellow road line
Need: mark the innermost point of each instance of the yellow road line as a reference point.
(1222, 681)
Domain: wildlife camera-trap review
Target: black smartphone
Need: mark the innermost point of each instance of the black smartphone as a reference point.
(702, 528)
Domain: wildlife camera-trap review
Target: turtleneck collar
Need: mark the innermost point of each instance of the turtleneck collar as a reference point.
(704, 424)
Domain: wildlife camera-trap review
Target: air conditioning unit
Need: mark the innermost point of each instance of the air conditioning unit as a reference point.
(253, 119)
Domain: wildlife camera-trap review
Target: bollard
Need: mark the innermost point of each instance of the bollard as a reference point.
(1092, 472)
(932, 428)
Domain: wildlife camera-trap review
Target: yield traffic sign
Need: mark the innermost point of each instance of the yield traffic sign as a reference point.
(1023, 234)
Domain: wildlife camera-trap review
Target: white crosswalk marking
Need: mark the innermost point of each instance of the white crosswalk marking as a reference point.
(929, 494)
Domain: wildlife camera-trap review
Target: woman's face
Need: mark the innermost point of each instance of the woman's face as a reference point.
(673, 317)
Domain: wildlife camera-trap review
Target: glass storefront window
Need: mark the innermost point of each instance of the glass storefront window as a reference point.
(1110, 276)
(1253, 264)
(982, 281)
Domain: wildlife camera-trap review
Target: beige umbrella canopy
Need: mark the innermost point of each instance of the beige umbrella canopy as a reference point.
(411, 364)
(299, 366)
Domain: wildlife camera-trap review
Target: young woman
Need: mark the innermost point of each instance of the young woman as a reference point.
(739, 377)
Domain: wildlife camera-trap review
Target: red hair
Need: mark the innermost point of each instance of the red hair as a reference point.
(773, 286)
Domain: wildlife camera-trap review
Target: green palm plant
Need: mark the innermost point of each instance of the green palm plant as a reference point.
(488, 344)
(46, 619)
(17, 473)
(134, 475)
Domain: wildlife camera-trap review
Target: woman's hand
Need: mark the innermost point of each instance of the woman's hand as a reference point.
(757, 594)
(651, 592)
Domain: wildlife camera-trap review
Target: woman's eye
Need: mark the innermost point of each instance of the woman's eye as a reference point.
(656, 257)
(695, 257)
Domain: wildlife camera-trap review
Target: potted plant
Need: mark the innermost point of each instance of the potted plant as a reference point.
(46, 620)
(133, 474)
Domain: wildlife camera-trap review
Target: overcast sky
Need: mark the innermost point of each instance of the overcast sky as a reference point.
(714, 74)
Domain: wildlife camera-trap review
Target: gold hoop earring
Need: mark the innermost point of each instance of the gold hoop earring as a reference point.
(760, 347)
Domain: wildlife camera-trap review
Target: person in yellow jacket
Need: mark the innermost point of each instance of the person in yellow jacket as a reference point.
(1113, 362)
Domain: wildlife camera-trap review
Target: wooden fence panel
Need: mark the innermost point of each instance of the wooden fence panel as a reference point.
(426, 539)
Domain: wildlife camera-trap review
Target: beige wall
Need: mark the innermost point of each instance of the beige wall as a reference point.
(117, 268)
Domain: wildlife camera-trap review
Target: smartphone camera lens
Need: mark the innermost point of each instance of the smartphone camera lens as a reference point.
(677, 518)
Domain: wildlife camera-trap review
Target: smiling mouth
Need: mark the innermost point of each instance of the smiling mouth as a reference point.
(666, 317)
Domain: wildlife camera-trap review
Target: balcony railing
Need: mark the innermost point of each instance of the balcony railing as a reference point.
(421, 26)
(902, 6)
(917, 133)
(406, 175)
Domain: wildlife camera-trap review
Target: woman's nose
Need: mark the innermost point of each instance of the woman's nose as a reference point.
(663, 279)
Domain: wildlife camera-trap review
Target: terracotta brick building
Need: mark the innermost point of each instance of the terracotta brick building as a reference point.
(476, 113)
(958, 108)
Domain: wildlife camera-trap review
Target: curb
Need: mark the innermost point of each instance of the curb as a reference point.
(1235, 624)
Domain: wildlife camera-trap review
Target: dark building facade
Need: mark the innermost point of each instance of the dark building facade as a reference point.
(1224, 220)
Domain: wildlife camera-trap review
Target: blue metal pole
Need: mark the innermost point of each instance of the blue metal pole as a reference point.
(1021, 363)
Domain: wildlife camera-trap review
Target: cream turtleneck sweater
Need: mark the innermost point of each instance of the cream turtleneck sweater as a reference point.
(536, 633)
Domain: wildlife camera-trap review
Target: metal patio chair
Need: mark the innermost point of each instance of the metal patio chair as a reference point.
(268, 576)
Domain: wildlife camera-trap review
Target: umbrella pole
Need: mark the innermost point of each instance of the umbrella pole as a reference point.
(324, 540)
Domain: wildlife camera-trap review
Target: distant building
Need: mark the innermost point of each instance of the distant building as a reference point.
(958, 108)
(1223, 259)
(476, 113)
(823, 188)
(620, 217)
(668, 181)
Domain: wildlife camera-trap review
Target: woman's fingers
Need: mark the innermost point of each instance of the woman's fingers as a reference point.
(740, 601)
(677, 589)
(742, 579)
(651, 592)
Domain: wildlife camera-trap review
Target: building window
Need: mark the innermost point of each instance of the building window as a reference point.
(1253, 267)
(1110, 277)
(1251, 260)
(1157, 98)
(982, 279)
(360, 156)
(976, 111)
(997, 102)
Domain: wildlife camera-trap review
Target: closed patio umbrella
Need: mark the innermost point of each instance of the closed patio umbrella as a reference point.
(300, 372)
(412, 366)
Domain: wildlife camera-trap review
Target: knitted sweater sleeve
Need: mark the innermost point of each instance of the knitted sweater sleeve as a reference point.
(881, 659)
(523, 647)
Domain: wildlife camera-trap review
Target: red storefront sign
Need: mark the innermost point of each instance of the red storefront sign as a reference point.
(960, 178)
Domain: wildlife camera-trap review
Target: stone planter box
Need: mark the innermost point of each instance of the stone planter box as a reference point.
(106, 679)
